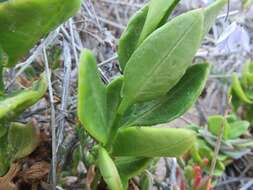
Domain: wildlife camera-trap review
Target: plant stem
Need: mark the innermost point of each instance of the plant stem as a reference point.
(113, 131)
(218, 144)
(124, 105)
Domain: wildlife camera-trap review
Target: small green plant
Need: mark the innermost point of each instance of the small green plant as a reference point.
(202, 153)
(158, 85)
(22, 24)
(16, 143)
(11, 106)
(241, 91)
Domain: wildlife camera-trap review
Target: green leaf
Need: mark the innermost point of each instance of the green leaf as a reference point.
(23, 139)
(202, 150)
(237, 129)
(152, 142)
(159, 63)
(146, 181)
(109, 170)
(92, 98)
(232, 118)
(195, 153)
(24, 22)
(158, 12)
(113, 99)
(247, 75)
(131, 166)
(248, 113)
(143, 23)
(175, 103)
(211, 12)
(129, 38)
(219, 169)
(235, 100)
(215, 124)
(15, 104)
(238, 90)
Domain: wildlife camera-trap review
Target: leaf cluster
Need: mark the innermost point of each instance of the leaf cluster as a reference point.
(232, 145)
(158, 85)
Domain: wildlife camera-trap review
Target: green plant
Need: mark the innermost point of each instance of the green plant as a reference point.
(241, 91)
(17, 142)
(158, 85)
(22, 24)
(232, 145)
(11, 106)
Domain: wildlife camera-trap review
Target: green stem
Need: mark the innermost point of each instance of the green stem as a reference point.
(113, 131)
(124, 105)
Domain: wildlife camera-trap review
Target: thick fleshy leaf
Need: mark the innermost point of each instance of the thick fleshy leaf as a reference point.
(113, 99)
(202, 150)
(232, 118)
(92, 98)
(161, 60)
(129, 39)
(215, 124)
(129, 167)
(158, 12)
(235, 100)
(152, 142)
(23, 139)
(175, 103)
(237, 128)
(247, 75)
(238, 90)
(109, 170)
(24, 22)
(211, 12)
(13, 105)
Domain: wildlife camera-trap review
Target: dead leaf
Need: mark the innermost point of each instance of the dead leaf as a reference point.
(90, 176)
(6, 182)
(35, 173)
(133, 186)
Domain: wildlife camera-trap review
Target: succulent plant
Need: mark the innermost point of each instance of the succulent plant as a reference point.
(241, 92)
